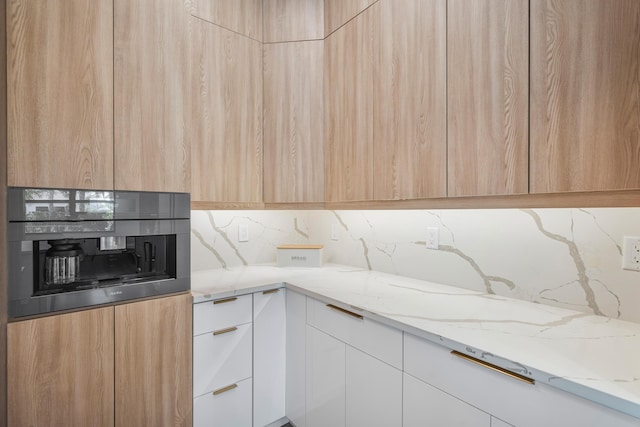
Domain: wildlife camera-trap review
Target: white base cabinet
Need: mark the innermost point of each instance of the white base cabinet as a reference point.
(424, 405)
(325, 380)
(373, 391)
(504, 398)
(269, 359)
(231, 408)
(296, 355)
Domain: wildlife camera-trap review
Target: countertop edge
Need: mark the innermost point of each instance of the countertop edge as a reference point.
(580, 390)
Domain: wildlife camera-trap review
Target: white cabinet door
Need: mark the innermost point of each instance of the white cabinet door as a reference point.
(296, 358)
(373, 391)
(325, 380)
(221, 358)
(424, 405)
(269, 356)
(227, 408)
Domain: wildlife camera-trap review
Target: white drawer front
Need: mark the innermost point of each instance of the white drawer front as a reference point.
(223, 359)
(222, 313)
(230, 408)
(376, 339)
(500, 395)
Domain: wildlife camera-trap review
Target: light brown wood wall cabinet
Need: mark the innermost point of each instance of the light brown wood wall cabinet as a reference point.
(152, 140)
(240, 16)
(348, 106)
(487, 97)
(293, 122)
(225, 116)
(293, 20)
(60, 93)
(60, 370)
(409, 99)
(153, 357)
(78, 369)
(339, 12)
(585, 86)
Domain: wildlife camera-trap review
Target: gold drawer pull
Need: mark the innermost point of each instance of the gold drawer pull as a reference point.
(222, 301)
(342, 310)
(225, 389)
(272, 291)
(494, 367)
(224, 331)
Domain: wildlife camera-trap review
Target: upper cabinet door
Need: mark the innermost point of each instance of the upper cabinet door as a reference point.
(410, 98)
(152, 145)
(226, 115)
(348, 106)
(293, 154)
(585, 86)
(488, 84)
(60, 93)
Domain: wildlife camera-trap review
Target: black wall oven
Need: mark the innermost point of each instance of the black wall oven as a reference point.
(76, 248)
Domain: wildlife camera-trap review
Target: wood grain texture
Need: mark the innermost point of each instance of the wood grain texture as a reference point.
(348, 106)
(339, 12)
(293, 20)
(585, 86)
(226, 116)
(410, 99)
(60, 93)
(3, 216)
(240, 16)
(488, 97)
(152, 143)
(293, 122)
(61, 370)
(601, 199)
(153, 358)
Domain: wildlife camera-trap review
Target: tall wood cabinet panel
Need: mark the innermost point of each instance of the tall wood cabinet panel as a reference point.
(152, 144)
(410, 98)
(241, 16)
(60, 93)
(3, 214)
(293, 122)
(293, 20)
(487, 83)
(585, 86)
(61, 370)
(338, 12)
(226, 116)
(153, 355)
(348, 104)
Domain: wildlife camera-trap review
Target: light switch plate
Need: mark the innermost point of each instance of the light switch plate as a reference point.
(243, 233)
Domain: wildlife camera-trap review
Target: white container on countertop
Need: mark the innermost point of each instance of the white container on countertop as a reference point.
(300, 255)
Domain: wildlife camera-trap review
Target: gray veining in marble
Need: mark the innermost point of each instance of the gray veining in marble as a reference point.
(568, 258)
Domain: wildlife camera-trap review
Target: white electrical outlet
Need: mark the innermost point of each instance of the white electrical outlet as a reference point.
(631, 253)
(433, 237)
(243, 233)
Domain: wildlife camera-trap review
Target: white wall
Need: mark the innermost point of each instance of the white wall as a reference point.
(564, 257)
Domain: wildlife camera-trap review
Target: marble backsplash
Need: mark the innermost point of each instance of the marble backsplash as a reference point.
(563, 257)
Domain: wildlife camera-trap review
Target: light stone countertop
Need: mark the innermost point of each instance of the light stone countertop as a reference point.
(591, 356)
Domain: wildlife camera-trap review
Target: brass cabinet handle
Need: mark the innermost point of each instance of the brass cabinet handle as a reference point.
(342, 310)
(272, 291)
(224, 331)
(494, 367)
(225, 389)
(222, 301)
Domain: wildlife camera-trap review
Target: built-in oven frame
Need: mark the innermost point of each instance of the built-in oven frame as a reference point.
(134, 214)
